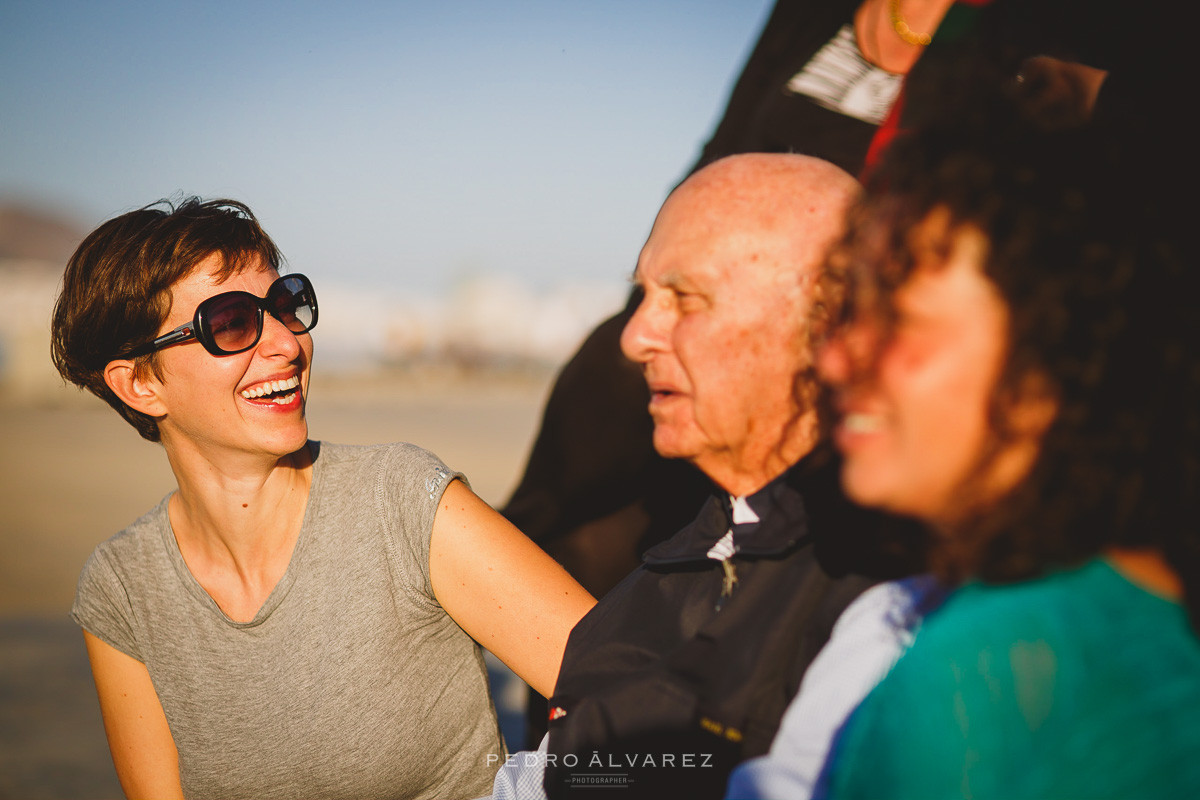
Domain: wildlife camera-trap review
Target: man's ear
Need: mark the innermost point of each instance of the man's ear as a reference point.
(139, 393)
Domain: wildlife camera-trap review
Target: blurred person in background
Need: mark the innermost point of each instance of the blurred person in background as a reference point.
(298, 618)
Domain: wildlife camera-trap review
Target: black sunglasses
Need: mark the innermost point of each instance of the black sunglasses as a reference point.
(232, 322)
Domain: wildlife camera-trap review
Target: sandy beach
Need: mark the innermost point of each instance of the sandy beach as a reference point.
(74, 473)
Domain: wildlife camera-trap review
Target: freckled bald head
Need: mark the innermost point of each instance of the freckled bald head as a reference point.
(795, 201)
(728, 273)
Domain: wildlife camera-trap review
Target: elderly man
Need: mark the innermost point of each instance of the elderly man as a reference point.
(686, 667)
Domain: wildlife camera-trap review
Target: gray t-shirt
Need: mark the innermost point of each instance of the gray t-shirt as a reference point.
(351, 681)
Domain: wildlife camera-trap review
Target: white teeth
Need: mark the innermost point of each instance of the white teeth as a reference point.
(270, 387)
(861, 423)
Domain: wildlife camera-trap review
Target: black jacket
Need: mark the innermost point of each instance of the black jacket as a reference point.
(665, 685)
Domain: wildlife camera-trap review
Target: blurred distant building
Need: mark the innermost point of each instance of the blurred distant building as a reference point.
(488, 322)
(34, 247)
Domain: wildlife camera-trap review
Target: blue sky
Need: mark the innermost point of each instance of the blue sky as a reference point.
(399, 145)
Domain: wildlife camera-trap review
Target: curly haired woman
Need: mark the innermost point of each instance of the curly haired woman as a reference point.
(1019, 370)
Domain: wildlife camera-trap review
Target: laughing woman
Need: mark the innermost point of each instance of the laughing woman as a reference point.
(1020, 370)
(297, 619)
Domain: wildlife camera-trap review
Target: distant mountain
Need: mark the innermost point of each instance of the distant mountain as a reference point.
(37, 235)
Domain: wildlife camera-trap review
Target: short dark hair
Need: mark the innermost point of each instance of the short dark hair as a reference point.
(116, 290)
(1087, 248)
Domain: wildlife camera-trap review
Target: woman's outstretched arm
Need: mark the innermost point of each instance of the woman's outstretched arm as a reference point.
(143, 750)
(503, 589)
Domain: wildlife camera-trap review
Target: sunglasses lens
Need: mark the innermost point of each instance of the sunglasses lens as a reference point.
(291, 302)
(233, 322)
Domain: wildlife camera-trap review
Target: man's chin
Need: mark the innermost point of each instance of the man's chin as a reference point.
(670, 444)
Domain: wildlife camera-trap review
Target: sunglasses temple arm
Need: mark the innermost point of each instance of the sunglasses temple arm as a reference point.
(180, 334)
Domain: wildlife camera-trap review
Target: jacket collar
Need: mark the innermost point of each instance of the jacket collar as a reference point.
(783, 522)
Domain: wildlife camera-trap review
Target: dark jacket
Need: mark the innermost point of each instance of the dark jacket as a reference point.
(666, 685)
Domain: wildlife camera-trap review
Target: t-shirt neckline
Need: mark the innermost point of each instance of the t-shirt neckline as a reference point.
(285, 583)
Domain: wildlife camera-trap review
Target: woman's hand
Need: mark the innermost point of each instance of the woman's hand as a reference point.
(503, 589)
(143, 750)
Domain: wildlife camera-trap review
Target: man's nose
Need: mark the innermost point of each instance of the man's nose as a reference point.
(642, 333)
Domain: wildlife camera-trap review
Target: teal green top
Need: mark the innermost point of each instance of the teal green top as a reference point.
(1077, 685)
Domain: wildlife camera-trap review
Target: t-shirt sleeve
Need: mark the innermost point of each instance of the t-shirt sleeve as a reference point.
(102, 606)
(410, 488)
